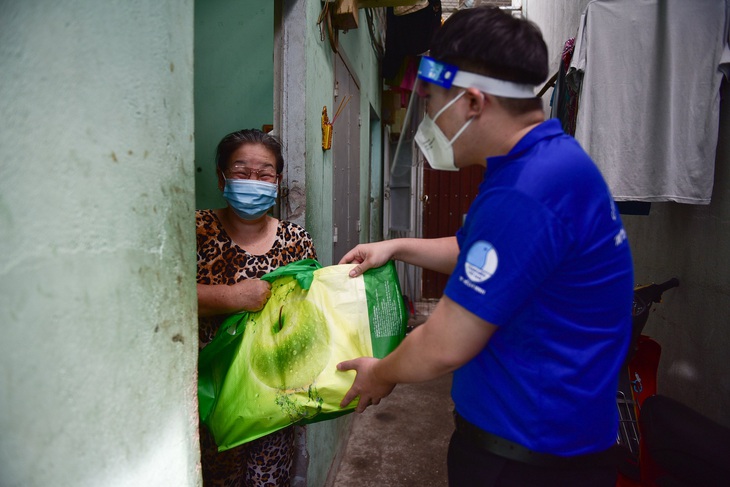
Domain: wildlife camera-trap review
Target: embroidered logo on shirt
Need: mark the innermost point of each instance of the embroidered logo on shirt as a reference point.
(481, 261)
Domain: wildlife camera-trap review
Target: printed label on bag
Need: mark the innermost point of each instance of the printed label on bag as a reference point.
(385, 313)
(386, 309)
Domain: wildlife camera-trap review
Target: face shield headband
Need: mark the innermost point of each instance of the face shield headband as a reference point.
(447, 75)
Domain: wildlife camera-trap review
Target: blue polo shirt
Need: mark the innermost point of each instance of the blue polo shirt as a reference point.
(544, 257)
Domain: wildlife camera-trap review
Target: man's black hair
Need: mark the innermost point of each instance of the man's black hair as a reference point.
(492, 42)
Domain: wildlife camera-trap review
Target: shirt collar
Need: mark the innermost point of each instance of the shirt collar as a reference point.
(546, 130)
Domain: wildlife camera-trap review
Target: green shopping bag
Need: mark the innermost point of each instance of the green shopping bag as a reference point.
(269, 369)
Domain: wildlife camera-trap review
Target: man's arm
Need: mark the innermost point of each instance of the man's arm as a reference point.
(451, 337)
(220, 299)
(436, 254)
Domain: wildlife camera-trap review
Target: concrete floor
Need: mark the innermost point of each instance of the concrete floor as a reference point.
(403, 441)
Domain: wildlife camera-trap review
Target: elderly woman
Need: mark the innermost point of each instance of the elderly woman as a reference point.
(236, 246)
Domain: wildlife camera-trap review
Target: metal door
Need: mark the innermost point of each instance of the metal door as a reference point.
(446, 199)
(345, 163)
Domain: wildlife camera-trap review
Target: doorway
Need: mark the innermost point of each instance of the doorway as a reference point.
(345, 162)
(446, 199)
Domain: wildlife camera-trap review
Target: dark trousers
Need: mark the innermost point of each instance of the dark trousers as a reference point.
(470, 466)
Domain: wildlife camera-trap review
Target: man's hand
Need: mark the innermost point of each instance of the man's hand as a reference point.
(451, 337)
(367, 385)
(368, 256)
(436, 254)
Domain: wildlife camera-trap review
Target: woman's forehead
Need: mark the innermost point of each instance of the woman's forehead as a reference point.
(253, 154)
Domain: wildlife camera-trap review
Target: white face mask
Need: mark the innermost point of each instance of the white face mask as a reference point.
(433, 143)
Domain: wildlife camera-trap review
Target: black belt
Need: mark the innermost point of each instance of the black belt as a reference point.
(514, 451)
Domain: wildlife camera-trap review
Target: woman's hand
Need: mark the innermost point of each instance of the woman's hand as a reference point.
(222, 299)
(254, 293)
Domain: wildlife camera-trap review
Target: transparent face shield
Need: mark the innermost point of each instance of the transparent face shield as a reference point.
(444, 75)
(405, 157)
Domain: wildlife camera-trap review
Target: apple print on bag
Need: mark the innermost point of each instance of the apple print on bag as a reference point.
(291, 348)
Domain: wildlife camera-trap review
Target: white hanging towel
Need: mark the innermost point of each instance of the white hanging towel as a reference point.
(649, 102)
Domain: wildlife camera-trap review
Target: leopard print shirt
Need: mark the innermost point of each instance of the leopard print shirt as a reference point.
(222, 261)
(266, 461)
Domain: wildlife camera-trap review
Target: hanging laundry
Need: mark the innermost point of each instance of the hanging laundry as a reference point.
(409, 34)
(650, 94)
(565, 95)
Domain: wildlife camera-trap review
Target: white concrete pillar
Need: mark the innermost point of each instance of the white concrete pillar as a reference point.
(98, 319)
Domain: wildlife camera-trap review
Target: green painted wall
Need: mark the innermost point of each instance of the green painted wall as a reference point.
(358, 53)
(234, 79)
(319, 84)
(97, 244)
(356, 44)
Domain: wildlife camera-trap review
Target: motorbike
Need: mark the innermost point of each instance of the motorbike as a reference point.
(662, 442)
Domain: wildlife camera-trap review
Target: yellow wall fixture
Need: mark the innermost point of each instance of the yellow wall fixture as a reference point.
(327, 125)
(326, 130)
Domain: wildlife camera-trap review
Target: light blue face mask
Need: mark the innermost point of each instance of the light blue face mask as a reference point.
(250, 199)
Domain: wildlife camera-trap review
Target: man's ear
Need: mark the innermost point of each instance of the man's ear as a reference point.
(478, 101)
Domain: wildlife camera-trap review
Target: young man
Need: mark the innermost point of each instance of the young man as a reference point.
(536, 316)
